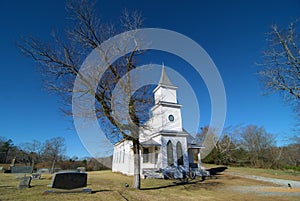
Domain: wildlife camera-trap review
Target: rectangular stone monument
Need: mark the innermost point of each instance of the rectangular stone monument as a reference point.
(25, 182)
(21, 169)
(69, 180)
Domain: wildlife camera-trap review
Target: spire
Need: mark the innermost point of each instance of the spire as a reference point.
(164, 80)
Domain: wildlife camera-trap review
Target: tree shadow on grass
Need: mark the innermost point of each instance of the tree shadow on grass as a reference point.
(7, 186)
(99, 191)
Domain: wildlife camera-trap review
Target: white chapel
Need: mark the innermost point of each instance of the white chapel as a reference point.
(164, 142)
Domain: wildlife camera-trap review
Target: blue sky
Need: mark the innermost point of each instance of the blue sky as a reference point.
(232, 33)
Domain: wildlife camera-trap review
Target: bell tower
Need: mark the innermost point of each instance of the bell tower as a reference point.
(166, 110)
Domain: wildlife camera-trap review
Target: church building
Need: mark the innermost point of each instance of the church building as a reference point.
(164, 142)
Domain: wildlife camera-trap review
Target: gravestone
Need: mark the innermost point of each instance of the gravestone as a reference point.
(36, 176)
(25, 182)
(1, 169)
(81, 169)
(69, 180)
(43, 171)
(13, 162)
(70, 170)
(21, 169)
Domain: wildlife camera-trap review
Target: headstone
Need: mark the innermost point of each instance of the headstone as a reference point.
(81, 169)
(1, 169)
(43, 171)
(25, 182)
(70, 170)
(69, 180)
(13, 162)
(36, 176)
(22, 169)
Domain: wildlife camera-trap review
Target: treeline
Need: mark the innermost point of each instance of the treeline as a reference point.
(252, 146)
(48, 154)
(33, 152)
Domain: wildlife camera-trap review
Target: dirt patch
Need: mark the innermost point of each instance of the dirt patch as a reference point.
(262, 186)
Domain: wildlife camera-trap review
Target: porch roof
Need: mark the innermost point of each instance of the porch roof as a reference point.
(150, 143)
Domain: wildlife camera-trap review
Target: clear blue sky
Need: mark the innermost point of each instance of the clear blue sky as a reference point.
(232, 32)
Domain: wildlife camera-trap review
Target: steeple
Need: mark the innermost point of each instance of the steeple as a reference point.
(166, 112)
(164, 80)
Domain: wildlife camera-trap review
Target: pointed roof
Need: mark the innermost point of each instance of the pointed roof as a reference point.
(164, 80)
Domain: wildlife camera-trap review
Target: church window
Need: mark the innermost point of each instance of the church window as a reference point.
(179, 154)
(170, 153)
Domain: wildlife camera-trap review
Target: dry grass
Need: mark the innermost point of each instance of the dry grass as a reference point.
(278, 174)
(281, 189)
(110, 186)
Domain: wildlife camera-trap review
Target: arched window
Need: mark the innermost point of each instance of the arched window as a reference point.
(170, 153)
(179, 154)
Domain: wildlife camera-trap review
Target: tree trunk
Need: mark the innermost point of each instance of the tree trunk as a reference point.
(6, 154)
(53, 165)
(137, 164)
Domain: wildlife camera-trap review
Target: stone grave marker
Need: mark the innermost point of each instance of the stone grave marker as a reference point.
(70, 170)
(69, 180)
(43, 171)
(13, 161)
(36, 176)
(21, 169)
(81, 169)
(25, 182)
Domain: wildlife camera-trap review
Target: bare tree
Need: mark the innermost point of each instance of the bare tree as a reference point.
(225, 147)
(33, 149)
(291, 152)
(280, 71)
(54, 150)
(61, 60)
(258, 143)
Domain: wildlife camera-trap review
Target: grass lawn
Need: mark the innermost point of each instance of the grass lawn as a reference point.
(111, 186)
